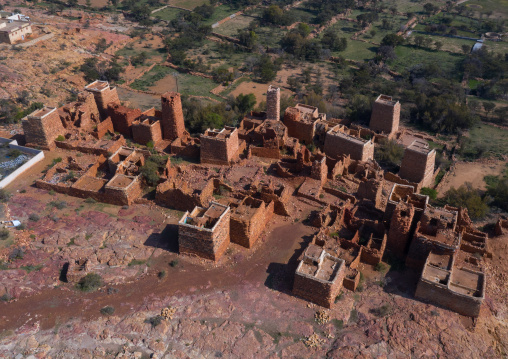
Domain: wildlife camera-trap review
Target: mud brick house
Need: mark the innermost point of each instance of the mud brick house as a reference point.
(82, 114)
(301, 122)
(147, 128)
(319, 276)
(12, 31)
(385, 115)
(406, 194)
(341, 141)
(104, 96)
(435, 232)
(42, 127)
(418, 163)
(205, 232)
(248, 221)
(172, 122)
(179, 194)
(273, 103)
(446, 284)
(122, 118)
(220, 147)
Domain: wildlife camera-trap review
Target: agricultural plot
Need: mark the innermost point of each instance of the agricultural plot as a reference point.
(188, 4)
(499, 8)
(358, 51)
(168, 14)
(488, 139)
(395, 23)
(231, 27)
(406, 6)
(409, 56)
(449, 43)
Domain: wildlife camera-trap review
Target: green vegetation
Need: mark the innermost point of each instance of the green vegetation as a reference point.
(4, 196)
(109, 310)
(467, 197)
(136, 262)
(432, 193)
(90, 283)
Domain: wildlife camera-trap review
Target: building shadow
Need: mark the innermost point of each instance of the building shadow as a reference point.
(167, 239)
(281, 275)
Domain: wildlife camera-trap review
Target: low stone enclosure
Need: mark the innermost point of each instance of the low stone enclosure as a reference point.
(237, 179)
(16, 160)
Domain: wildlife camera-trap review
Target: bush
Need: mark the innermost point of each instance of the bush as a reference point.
(60, 138)
(4, 196)
(380, 267)
(499, 192)
(107, 310)
(162, 274)
(4, 234)
(389, 153)
(90, 283)
(432, 193)
(467, 197)
(34, 217)
(173, 263)
(382, 311)
(90, 200)
(17, 253)
(58, 204)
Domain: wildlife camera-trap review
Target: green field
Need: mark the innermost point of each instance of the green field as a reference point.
(169, 14)
(231, 27)
(499, 8)
(188, 4)
(492, 140)
(187, 84)
(408, 56)
(358, 51)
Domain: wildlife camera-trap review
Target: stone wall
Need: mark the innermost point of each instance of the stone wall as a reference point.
(122, 118)
(338, 144)
(172, 121)
(247, 225)
(304, 131)
(103, 128)
(441, 295)
(399, 235)
(371, 189)
(219, 150)
(176, 194)
(205, 243)
(267, 152)
(105, 98)
(146, 131)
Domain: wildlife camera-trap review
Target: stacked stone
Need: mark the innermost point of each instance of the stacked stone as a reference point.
(339, 144)
(371, 189)
(122, 118)
(319, 170)
(146, 131)
(172, 121)
(273, 103)
(418, 166)
(245, 230)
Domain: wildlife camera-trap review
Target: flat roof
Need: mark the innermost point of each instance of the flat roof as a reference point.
(12, 25)
(386, 100)
(337, 132)
(419, 146)
(97, 86)
(42, 112)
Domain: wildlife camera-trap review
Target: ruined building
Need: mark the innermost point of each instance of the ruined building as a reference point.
(42, 127)
(418, 164)
(172, 122)
(248, 220)
(319, 276)
(147, 128)
(445, 283)
(273, 103)
(104, 96)
(301, 122)
(385, 115)
(341, 141)
(220, 147)
(205, 232)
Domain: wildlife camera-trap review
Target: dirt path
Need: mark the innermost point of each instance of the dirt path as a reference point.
(60, 304)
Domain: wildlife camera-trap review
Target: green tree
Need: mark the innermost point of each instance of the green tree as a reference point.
(467, 197)
(488, 106)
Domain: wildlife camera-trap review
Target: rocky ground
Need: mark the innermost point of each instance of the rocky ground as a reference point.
(242, 307)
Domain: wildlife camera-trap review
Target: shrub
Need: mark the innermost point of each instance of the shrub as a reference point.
(58, 204)
(136, 262)
(17, 253)
(432, 193)
(60, 138)
(34, 217)
(467, 197)
(109, 310)
(4, 234)
(173, 263)
(4, 195)
(90, 200)
(382, 311)
(5, 298)
(162, 274)
(90, 283)
(380, 267)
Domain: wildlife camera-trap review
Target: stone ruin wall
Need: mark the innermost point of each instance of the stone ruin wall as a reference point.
(205, 243)
(177, 195)
(442, 296)
(372, 190)
(122, 118)
(296, 128)
(336, 146)
(219, 151)
(144, 133)
(400, 229)
(246, 231)
(318, 292)
(104, 98)
(103, 128)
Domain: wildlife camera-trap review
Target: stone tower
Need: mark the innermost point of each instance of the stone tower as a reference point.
(385, 115)
(418, 163)
(42, 127)
(104, 95)
(399, 235)
(273, 103)
(173, 126)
